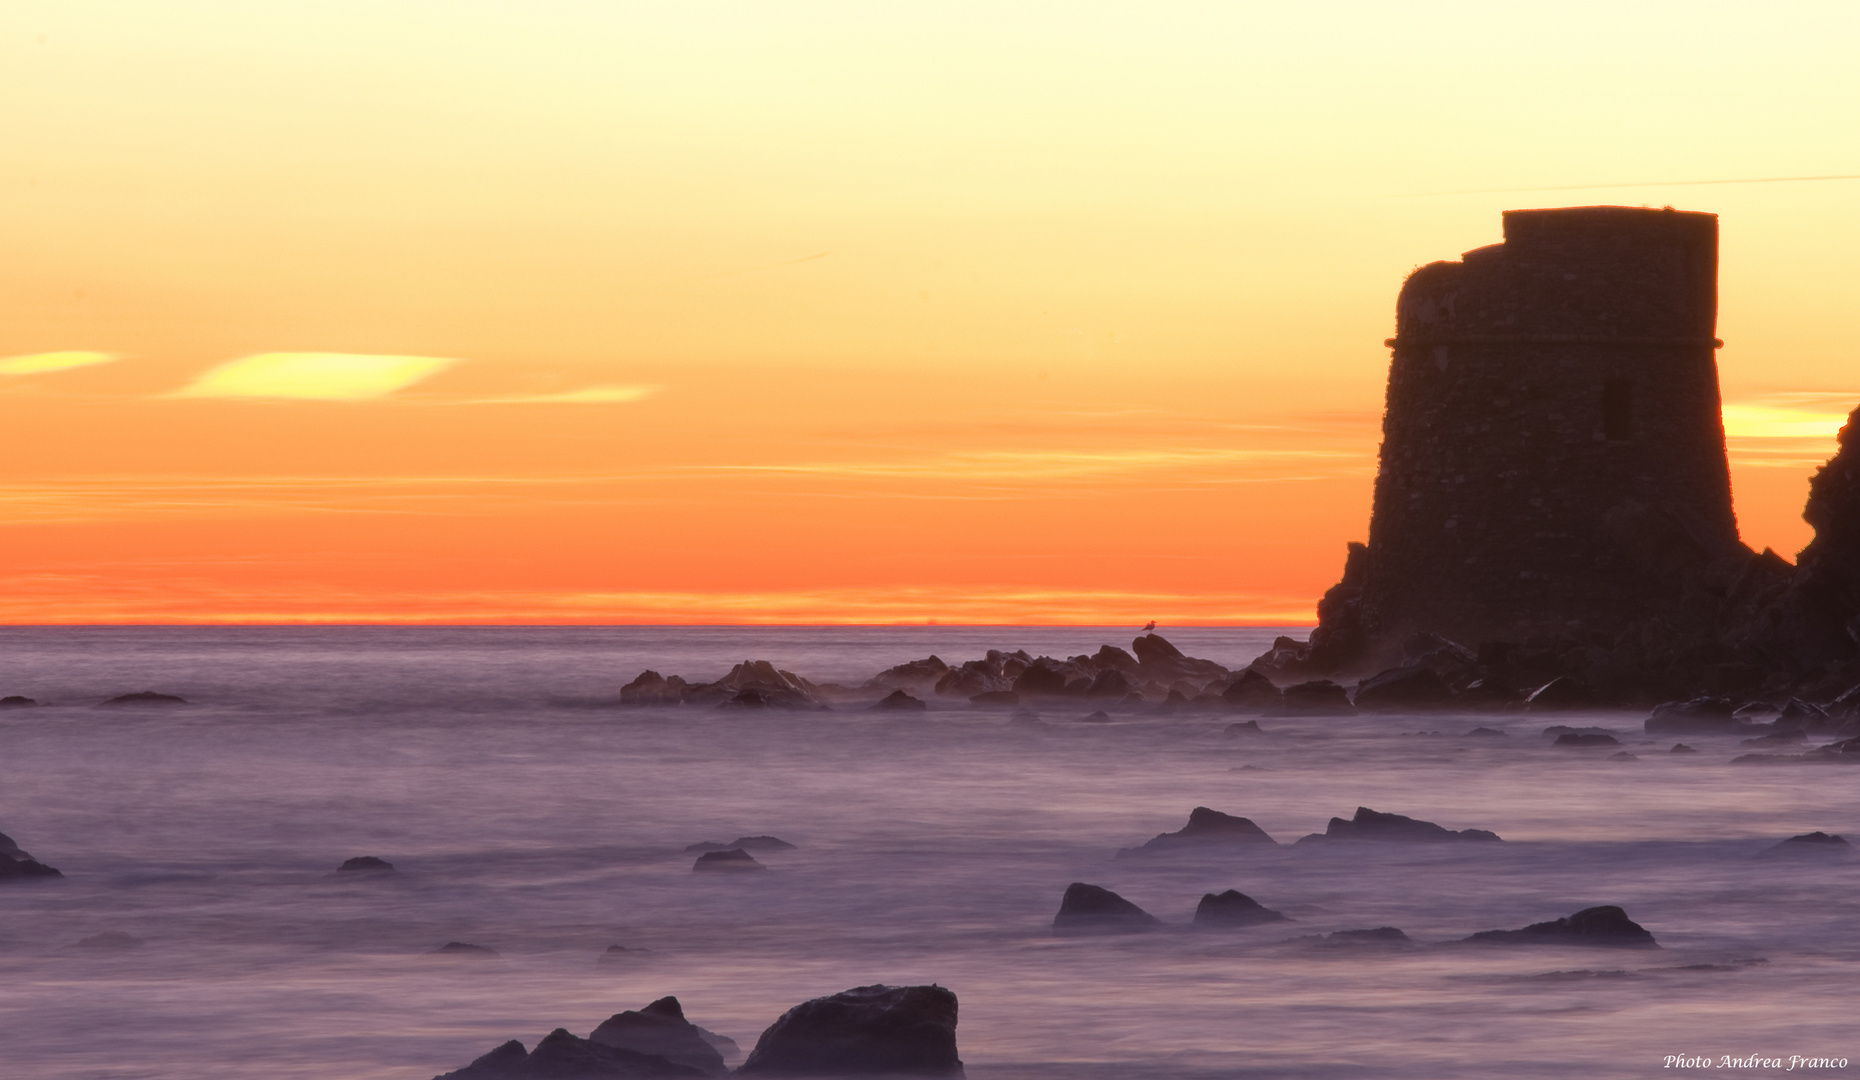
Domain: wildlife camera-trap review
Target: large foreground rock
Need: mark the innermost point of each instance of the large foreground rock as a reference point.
(1206, 829)
(1606, 926)
(1370, 825)
(1403, 689)
(661, 1028)
(562, 1056)
(868, 1030)
(1091, 909)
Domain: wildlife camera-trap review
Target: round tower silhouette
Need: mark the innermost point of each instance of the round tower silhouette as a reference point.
(1553, 448)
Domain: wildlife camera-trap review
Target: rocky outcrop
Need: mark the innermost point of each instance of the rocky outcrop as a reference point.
(365, 864)
(1585, 738)
(914, 675)
(661, 1028)
(726, 861)
(1091, 909)
(1815, 845)
(1233, 908)
(1249, 691)
(1606, 926)
(16, 865)
(1160, 662)
(1403, 689)
(563, 1056)
(1704, 715)
(1206, 829)
(1394, 828)
(865, 1031)
(899, 701)
(1316, 697)
(146, 698)
(464, 949)
(747, 843)
(651, 688)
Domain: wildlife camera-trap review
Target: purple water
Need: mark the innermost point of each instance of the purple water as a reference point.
(933, 847)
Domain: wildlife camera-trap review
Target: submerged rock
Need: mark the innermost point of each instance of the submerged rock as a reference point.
(899, 700)
(726, 860)
(1381, 937)
(1233, 908)
(1205, 829)
(16, 701)
(661, 1028)
(1244, 727)
(562, 1056)
(1319, 697)
(1371, 825)
(865, 1031)
(1090, 909)
(1814, 844)
(463, 949)
(1585, 738)
(747, 843)
(365, 864)
(1698, 716)
(146, 697)
(1606, 926)
(16, 863)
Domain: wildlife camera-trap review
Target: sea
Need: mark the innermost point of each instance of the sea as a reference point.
(525, 812)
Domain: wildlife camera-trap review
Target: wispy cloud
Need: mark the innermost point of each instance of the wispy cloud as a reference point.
(1793, 429)
(314, 376)
(41, 363)
(587, 395)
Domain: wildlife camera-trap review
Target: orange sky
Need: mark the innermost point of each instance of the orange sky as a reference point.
(823, 312)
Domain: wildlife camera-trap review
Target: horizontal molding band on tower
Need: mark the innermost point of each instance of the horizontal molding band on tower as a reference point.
(1550, 339)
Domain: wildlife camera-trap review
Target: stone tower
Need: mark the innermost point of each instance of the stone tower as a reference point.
(1553, 452)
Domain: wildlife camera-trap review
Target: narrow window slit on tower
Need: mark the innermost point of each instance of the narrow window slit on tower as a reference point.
(1617, 410)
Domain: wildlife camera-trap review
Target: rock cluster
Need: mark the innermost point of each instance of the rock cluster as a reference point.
(1371, 825)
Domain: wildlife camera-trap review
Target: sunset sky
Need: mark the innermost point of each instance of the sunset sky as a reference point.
(801, 312)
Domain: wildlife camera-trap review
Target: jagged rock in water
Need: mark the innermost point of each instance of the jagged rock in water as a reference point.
(1205, 829)
(1249, 690)
(661, 1028)
(365, 864)
(15, 863)
(651, 688)
(730, 859)
(1110, 683)
(1378, 938)
(1318, 697)
(1402, 689)
(1681, 748)
(1110, 657)
(900, 701)
(758, 684)
(1161, 662)
(1090, 909)
(463, 949)
(1561, 694)
(1699, 716)
(1487, 733)
(1623, 756)
(913, 675)
(1815, 845)
(16, 701)
(1244, 727)
(562, 1056)
(1371, 825)
(865, 1031)
(1585, 738)
(146, 697)
(1606, 926)
(1233, 908)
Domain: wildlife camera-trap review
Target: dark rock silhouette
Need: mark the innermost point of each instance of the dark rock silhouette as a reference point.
(16, 864)
(1601, 926)
(1090, 909)
(1244, 727)
(731, 859)
(16, 701)
(651, 688)
(1249, 691)
(1371, 825)
(899, 700)
(365, 864)
(1583, 738)
(865, 1031)
(1110, 683)
(1681, 748)
(463, 949)
(1623, 755)
(661, 1028)
(562, 1056)
(1316, 697)
(1815, 844)
(918, 675)
(1233, 908)
(1159, 661)
(1381, 937)
(146, 697)
(1205, 829)
(1698, 716)
(1402, 689)
(1487, 733)
(747, 843)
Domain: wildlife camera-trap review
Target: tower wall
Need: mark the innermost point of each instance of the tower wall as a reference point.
(1553, 433)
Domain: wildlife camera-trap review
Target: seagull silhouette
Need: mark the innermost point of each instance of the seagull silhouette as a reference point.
(1151, 627)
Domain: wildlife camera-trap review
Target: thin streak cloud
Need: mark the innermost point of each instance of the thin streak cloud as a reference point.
(589, 395)
(1629, 184)
(42, 363)
(314, 376)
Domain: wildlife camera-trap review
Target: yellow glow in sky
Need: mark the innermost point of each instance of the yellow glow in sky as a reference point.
(314, 376)
(40, 363)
